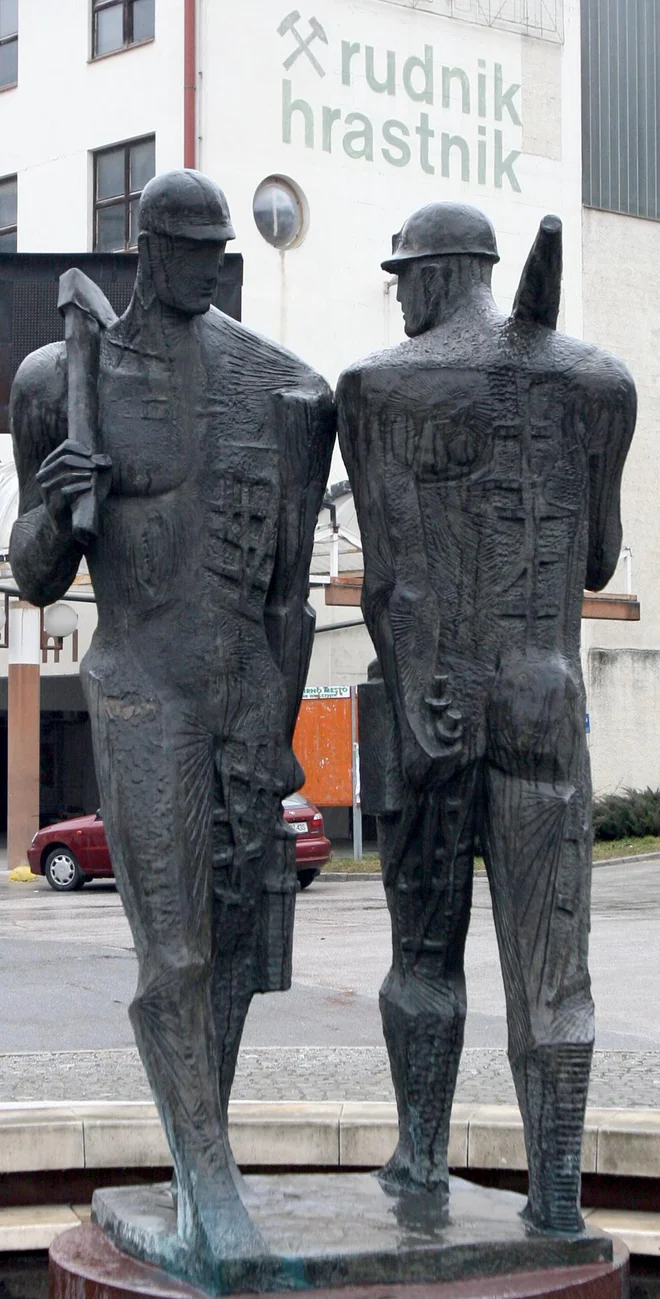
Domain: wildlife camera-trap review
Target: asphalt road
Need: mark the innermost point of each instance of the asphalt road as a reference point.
(68, 970)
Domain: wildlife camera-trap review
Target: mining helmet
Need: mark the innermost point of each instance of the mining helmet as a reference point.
(185, 204)
(443, 230)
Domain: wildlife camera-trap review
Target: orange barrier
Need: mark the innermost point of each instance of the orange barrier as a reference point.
(323, 744)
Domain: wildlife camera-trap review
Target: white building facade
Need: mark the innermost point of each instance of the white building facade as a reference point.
(354, 113)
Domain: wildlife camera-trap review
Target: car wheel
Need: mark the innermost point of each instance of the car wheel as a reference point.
(305, 878)
(62, 871)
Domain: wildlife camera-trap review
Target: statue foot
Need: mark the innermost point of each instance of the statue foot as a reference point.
(558, 1220)
(220, 1226)
(404, 1173)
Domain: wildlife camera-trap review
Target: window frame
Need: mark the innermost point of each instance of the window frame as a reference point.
(12, 228)
(128, 41)
(10, 40)
(127, 198)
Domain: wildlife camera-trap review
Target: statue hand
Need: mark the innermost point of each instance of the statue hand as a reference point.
(434, 748)
(66, 473)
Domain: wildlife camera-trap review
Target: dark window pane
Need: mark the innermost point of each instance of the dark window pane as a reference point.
(9, 63)
(109, 29)
(8, 202)
(110, 174)
(110, 229)
(8, 242)
(8, 18)
(143, 19)
(133, 225)
(143, 164)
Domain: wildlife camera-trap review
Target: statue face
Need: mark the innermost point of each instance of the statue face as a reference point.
(418, 304)
(184, 272)
(431, 290)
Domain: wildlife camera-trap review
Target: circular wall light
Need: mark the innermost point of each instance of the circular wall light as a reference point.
(60, 620)
(280, 212)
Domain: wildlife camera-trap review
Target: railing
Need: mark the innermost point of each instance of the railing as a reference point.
(543, 19)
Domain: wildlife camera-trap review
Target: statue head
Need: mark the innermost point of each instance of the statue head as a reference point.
(183, 228)
(440, 254)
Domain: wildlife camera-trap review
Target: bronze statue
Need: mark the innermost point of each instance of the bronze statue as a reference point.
(186, 457)
(485, 455)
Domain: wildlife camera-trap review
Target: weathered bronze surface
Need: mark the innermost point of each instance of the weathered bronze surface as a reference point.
(485, 455)
(324, 1230)
(186, 458)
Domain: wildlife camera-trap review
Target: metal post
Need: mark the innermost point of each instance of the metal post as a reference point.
(357, 809)
(334, 553)
(23, 730)
(626, 555)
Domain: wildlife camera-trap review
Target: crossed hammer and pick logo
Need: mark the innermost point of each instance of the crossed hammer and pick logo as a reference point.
(290, 24)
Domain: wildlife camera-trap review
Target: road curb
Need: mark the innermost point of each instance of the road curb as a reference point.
(340, 877)
(42, 1140)
(329, 1134)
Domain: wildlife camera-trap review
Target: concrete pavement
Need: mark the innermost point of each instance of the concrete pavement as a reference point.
(68, 974)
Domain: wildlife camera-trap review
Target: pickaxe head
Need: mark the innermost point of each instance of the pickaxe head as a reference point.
(77, 290)
(287, 24)
(318, 30)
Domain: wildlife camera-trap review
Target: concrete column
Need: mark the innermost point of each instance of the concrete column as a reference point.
(23, 730)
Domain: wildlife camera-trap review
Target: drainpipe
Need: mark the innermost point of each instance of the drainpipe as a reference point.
(189, 83)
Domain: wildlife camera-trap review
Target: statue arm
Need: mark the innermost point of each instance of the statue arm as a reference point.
(44, 557)
(306, 422)
(400, 606)
(614, 410)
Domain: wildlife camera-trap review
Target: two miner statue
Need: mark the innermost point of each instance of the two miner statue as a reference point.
(186, 458)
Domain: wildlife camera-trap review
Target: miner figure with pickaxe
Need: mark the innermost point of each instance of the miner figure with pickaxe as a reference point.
(186, 458)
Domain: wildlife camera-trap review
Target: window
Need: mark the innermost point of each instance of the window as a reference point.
(8, 210)
(279, 209)
(120, 175)
(118, 23)
(8, 43)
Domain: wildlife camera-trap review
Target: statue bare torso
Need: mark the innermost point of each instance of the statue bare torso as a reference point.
(486, 446)
(190, 528)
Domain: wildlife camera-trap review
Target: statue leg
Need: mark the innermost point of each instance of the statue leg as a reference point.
(537, 843)
(427, 854)
(155, 769)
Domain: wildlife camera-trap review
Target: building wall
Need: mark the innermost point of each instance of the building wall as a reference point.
(621, 257)
(442, 81)
(65, 106)
(328, 298)
(623, 687)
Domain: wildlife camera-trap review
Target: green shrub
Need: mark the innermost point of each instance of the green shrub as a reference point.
(633, 814)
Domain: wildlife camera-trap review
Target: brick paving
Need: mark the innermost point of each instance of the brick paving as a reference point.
(620, 1079)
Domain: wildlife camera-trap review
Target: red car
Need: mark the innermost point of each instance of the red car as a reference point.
(72, 852)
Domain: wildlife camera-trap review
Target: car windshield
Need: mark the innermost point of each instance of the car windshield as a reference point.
(293, 801)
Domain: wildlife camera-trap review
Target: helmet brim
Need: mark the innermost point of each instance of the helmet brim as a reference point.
(403, 259)
(207, 234)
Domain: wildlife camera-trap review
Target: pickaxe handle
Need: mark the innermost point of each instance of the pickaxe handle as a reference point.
(86, 311)
(539, 292)
(83, 339)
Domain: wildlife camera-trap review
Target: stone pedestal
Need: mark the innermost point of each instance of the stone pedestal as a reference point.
(84, 1264)
(320, 1232)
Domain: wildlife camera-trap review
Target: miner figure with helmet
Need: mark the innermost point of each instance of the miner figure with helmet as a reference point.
(212, 453)
(485, 455)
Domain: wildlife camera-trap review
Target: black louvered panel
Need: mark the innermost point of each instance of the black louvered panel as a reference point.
(28, 301)
(36, 320)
